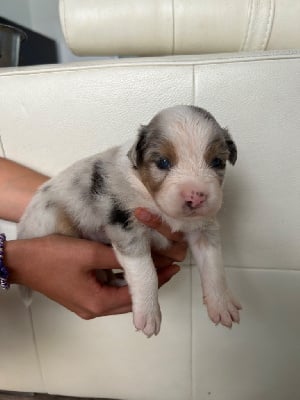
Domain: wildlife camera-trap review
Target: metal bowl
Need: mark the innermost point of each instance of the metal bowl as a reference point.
(10, 42)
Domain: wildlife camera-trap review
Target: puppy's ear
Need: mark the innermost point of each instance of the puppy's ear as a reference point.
(137, 151)
(231, 147)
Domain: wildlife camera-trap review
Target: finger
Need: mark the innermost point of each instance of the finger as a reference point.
(165, 274)
(155, 222)
(177, 252)
(118, 310)
(96, 299)
(114, 298)
(118, 299)
(161, 261)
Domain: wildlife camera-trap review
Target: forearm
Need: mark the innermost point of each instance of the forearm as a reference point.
(17, 186)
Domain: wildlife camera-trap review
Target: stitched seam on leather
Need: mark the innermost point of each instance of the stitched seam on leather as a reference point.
(193, 85)
(63, 12)
(284, 55)
(173, 30)
(257, 22)
(250, 18)
(269, 26)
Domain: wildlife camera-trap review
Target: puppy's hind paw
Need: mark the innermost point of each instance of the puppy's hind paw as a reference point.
(223, 308)
(148, 322)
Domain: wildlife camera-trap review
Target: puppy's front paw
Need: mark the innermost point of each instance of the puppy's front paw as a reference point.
(148, 321)
(222, 308)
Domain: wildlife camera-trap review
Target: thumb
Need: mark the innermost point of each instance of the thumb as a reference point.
(166, 273)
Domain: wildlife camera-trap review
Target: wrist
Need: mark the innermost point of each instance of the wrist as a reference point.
(4, 275)
(17, 184)
(11, 260)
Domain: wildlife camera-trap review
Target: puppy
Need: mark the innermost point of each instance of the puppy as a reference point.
(175, 168)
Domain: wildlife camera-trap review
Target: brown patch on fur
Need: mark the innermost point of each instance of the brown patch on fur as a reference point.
(65, 226)
(217, 148)
(151, 175)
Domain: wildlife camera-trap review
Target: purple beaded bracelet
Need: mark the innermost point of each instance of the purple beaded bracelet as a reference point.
(4, 284)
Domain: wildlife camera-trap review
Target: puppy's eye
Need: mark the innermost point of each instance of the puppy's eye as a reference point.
(163, 163)
(217, 163)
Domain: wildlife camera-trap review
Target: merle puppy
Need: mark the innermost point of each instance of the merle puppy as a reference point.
(175, 168)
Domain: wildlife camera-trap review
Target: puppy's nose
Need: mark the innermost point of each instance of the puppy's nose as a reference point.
(193, 198)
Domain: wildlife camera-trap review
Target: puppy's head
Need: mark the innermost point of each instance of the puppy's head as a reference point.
(181, 157)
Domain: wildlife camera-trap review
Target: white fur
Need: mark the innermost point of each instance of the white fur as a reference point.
(120, 188)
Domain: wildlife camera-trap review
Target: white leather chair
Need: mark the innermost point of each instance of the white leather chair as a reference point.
(53, 115)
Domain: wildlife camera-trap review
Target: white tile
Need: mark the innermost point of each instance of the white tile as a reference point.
(261, 215)
(98, 108)
(9, 228)
(260, 358)
(19, 367)
(107, 358)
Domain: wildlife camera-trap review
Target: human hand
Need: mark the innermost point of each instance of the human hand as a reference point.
(64, 269)
(178, 249)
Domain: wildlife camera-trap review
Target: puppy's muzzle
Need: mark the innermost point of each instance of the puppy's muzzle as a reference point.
(194, 198)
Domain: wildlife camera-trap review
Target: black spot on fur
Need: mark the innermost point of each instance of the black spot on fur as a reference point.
(141, 146)
(97, 179)
(232, 151)
(149, 137)
(229, 142)
(120, 216)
